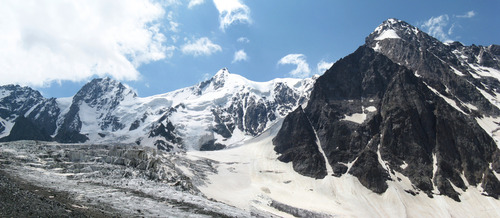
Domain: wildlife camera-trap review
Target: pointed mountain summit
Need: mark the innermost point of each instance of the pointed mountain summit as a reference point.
(404, 105)
(93, 109)
(466, 75)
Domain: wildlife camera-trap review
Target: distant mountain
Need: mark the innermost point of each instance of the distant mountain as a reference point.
(17, 101)
(402, 105)
(223, 110)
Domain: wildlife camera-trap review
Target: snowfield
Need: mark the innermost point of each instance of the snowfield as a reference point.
(253, 174)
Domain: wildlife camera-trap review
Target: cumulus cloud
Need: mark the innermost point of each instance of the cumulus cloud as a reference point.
(302, 70)
(193, 3)
(469, 14)
(201, 46)
(43, 41)
(240, 55)
(243, 40)
(323, 66)
(231, 11)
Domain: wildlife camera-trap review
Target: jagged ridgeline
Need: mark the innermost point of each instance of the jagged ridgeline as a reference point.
(221, 111)
(403, 104)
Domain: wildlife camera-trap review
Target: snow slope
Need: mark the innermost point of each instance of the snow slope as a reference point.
(261, 181)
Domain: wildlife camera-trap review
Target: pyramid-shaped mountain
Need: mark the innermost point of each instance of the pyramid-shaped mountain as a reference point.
(402, 105)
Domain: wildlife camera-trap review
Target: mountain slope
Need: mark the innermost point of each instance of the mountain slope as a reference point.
(396, 107)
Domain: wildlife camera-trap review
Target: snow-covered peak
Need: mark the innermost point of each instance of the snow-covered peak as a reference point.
(104, 88)
(224, 72)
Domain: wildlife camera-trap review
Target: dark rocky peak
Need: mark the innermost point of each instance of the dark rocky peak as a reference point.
(394, 31)
(18, 94)
(444, 67)
(17, 100)
(103, 91)
(373, 117)
(397, 29)
(19, 91)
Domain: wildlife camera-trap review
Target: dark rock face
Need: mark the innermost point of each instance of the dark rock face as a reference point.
(374, 113)
(169, 138)
(25, 129)
(369, 172)
(212, 146)
(256, 116)
(296, 142)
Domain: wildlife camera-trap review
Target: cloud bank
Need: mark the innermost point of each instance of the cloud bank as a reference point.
(45, 41)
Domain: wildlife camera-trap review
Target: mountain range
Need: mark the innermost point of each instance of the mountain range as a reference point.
(223, 110)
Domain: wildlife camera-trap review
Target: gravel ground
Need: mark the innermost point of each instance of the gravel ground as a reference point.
(21, 199)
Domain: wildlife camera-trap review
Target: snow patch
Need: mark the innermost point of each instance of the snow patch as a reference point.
(355, 117)
(360, 117)
(491, 126)
(388, 34)
(450, 101)
(371, 109)
(457, 71)
(416, 74)
(434, 171)
(377, 47)
(486, 71)
(404, 165)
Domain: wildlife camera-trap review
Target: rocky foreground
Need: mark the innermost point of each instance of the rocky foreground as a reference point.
(47, 180)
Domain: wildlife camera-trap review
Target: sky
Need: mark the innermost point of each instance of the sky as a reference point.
(157, 46)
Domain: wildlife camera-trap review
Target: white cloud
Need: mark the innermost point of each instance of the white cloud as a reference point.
(438, 26)
(231, 11)
(243, 40)
(201, 46)
(174, 26)
(323, 66)
(435, 27)
(302, 69)
(193, 3)
(43, 41)
(469, 14)
(240, 56)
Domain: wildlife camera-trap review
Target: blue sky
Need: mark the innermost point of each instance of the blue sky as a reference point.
(156, 46)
